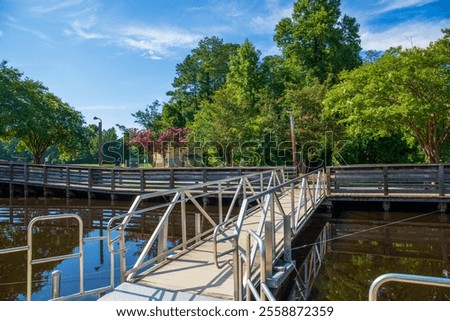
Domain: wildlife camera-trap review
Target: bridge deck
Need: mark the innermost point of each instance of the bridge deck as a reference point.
(193, 275)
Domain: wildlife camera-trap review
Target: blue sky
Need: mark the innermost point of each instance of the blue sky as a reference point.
(111, 58)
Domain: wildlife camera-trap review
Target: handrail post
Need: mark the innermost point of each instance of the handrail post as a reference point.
(287, 244)
(113, 179)
(220, 203)
(328, 181)
(441, 178)
(183, 219)
(236, 271)
(172, 178)
(142, 176)
(162, 239)
(248, 267)
(385, 180)
(56, 284)
(198, 227)
(269, 241)
(292, 216)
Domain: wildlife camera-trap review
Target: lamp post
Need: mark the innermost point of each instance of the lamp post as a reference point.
(100, 141)
(293, 140)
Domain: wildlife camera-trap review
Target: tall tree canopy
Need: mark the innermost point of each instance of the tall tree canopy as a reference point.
(229, 118)
(405, 91)
(317, 42)
(200, 74)
(150, 117)
(35, 116)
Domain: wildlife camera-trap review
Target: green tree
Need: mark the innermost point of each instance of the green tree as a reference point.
(231, 115)
(35, 116)
(405, 91)
(316, 42)
(201, 73)
(150, 117)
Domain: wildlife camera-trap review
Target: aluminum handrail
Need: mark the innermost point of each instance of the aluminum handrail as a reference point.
(405, 278)
(240, 186)
(31, 261)
(312, 192)
(250, 286)
(79, 255)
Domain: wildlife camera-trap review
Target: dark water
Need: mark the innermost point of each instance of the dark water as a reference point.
(365, 245)
(361, 246)
(61, 238)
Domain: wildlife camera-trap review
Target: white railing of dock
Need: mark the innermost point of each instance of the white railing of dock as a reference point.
(171, 204)
(303, 195)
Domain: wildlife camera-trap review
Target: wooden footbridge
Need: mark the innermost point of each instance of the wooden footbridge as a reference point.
(389, 184)
(240, 250)
(22, 179)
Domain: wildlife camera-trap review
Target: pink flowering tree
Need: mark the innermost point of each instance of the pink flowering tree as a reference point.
(144, 141)
(172, 139)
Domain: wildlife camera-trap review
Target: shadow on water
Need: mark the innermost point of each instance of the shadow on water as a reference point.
(361, 246)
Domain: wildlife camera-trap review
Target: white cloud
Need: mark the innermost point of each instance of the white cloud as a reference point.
(275, 12)
(389, 5)
(56, 6)
(407, 34)
(83, 29)
(156, 42)
(39, 34)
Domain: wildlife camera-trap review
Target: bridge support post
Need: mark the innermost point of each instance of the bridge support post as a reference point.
(269, 240)
(442, 207)
(386, 206)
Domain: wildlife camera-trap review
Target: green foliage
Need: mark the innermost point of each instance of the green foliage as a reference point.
(197, 78)
(405, 92)
(316, 42)
(229, 119)
(35, 116)
(380, 150)
(150, 117)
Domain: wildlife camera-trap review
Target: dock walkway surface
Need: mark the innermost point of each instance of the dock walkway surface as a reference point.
(194, 273)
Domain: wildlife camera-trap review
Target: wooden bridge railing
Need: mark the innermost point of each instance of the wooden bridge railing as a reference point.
(115, 179)
(389, 180)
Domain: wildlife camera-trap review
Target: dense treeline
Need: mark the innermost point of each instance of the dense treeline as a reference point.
(233, 107)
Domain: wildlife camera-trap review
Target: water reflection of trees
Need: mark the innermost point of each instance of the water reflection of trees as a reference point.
(47, 242)
(353, 263)
(53, 238)
(347, 277)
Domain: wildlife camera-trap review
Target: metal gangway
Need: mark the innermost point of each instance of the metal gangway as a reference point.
(242, 243)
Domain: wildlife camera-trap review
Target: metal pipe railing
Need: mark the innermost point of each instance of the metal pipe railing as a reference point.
(312, 192)
(237, 187)
(31, 261)
(405, 278)
(56, 275)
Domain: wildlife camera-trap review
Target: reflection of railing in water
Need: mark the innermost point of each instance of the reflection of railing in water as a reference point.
(307, 272)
